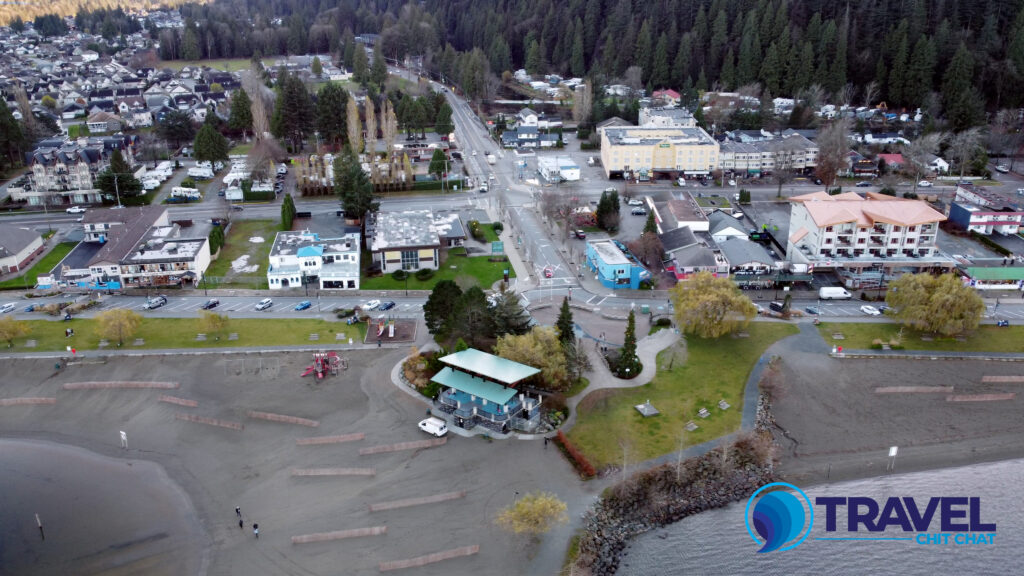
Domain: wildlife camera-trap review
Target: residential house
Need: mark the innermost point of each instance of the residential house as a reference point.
(18, 246)
(668, 97)
(748, 136)
(614, 267)
(884, 138)
(746, 256)
(723, 226)
(102, 122)
(527, 136)
(527, 117)
(688, 252)
(299, 258)
(937, 165)
(893, 162)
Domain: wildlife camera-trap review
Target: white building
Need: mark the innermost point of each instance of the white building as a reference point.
(299, 258)
(667, 117)
(406, 240)
(794, 152)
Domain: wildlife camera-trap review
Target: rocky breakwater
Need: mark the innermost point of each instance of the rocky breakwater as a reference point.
(668, 493)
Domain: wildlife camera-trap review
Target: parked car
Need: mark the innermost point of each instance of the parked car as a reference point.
(638, 212)
(635, 202)
(370, 306)
(264, 304)
(211, 304)
(386, 306)
(237, 207)
(155, 302)
(732, 182)
(1002, 169)
(9, 307)
(863, 184)
(581, 234)
(813, 310)
(75, 210)
(304, 305)
(924, 184)
(434, 426)
(870, 310)
(776, 306)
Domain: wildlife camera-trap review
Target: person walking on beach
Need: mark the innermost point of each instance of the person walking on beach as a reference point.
(256, 530)
(241, 525)
(238, 512)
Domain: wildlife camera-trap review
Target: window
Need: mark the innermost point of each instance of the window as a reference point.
(897, 228)
(410, 260)
(860, 241)
(828, 229)
(910, 240)
(828, 240)
(894, 241)
(912, 229)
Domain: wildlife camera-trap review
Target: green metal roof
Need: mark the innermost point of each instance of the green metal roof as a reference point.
(490, 366)
(996, 273)
(476, 386)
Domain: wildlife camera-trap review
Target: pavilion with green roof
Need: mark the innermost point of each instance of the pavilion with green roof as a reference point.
(996, 277)
(481, 389)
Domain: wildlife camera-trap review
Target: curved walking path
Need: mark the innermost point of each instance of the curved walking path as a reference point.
(601, 377)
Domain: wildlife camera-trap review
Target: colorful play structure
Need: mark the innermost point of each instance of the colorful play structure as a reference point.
(324, 363)
(389, 324)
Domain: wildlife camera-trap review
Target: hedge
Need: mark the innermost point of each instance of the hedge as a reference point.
(583, 466)
(399, 275)
(424, 274)
(437, 185)
(990, 243)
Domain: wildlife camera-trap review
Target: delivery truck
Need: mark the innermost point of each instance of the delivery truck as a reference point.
(834, 293)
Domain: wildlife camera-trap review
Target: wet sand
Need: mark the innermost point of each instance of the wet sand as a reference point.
(100, 515)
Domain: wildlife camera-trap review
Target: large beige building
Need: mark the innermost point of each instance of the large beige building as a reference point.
(653, 151)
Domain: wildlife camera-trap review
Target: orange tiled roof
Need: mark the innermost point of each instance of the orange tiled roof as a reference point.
(828, 210)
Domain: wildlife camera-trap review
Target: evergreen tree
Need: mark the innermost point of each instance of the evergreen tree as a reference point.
(177, 127)
(659, 67)
(771, 70)
(210, 145)
(443, 123)
(118, 179)
(317, 68)
(628, 365)
(728, 76)
(576, 64)
(898, 76)
(379, 68)
(509, 315)
(963, 105)
(440, 305)
(360, 66)
(920, 72)
(437, 163)
(681, 65)
(332, 113)
(650, 227)
(12, 139)
(643, 51)
(287, 212)
(294, 115)
(353, 186)
(564, 324)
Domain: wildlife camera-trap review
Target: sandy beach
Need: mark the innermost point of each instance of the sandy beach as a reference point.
(113, 511)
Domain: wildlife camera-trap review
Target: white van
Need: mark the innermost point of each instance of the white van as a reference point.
(9, 307)
(434, 426)
(834, 293)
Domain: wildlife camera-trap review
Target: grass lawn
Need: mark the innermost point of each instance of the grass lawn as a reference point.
(713, 370)
(986, 338)
(485, 272)
(489, 234)
(240, 149)
(225, 64)
(161, 333)
(236, 246)
(578, 387)
(41, 268)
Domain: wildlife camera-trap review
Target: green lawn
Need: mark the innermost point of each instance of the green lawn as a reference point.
(986, 338)
(489, 234)
(41, 268)
(225, 64)
(238, 245)
(240, 149)
(713, 370)
(485, 272)
(159, 333)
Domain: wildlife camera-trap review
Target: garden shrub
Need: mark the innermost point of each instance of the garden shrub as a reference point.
(583, 466)
(424, 274)
(399, 275)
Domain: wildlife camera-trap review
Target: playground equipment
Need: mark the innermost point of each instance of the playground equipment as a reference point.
(325, 363)
(382, 324)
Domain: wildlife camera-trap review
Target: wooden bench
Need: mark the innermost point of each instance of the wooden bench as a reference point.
(703, 413)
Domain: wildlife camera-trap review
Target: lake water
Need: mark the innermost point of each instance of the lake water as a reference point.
(717, 542)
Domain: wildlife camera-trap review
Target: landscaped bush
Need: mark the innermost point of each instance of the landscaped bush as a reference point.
(497, 227)
(476, 231)
(663, 322)
(583, 466)
(990, 243)
(188, 183)
(399, 275)
(344, 312)
(424, 274)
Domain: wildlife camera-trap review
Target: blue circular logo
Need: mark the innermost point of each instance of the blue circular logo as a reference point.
(779, 517)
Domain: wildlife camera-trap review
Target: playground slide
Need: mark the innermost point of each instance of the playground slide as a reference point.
(309, 370)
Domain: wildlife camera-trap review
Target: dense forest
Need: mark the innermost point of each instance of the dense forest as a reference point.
(960, 56)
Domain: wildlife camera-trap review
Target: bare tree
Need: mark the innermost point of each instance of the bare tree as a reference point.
(583, 103)
(355, 126)
(1007, 134)
(919, 152)
(845, 94)
(752, 90)
(964, 145)
(371, 130)
(633, 78)
(812, 96)
(870, 93)
(257, 91)
(784, 154)
(833, 149)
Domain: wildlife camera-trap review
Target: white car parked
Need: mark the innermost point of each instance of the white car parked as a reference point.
(75, 210)
(370, 306)
(871, 310)
(924, 184)
(635, 202)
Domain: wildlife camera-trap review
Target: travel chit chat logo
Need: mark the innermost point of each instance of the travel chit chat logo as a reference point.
(782, 519)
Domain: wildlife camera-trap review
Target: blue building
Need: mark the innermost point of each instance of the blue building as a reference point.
(481, 389)
(615, 266)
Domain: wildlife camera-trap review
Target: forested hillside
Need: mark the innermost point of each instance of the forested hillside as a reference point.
(28, 10)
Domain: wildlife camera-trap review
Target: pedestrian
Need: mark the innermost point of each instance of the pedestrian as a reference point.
(241, 524)
(256, 530)
(545, 442)
(238, 512)
(378, 342)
